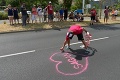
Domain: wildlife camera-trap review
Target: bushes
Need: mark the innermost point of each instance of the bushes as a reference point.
(3, 16)
(118, 13)
(73, 8)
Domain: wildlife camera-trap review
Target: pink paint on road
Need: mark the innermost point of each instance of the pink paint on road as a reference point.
(79, 68)
(73, 61)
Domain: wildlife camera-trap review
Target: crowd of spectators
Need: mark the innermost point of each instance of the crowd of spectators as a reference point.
(48, 14)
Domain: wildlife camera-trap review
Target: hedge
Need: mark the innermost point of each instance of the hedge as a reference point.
(3, 15)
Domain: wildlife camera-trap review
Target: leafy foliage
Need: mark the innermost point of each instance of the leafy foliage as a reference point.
(44, 3)
(73, 8)
(3, 16)
(67, 3)
(78, 4)
(2, 2)
(117, 5)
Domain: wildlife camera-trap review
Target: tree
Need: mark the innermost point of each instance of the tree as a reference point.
(117, 5)
(78, 4)
(67, 3)
(87, 1)
(101, 4)
(2, 3)
(30, 3)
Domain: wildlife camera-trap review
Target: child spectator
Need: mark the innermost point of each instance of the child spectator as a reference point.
(10, 14)
(45, 15)
(81, 17)
(28, 18)
(57, 16)
(71, 16)
(16, 17)
(78, 16)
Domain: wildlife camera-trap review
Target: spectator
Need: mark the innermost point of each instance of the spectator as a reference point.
(65, 14)
(28, 19)
(34, 14)
(16, 16)
(71, 16)
(93, 14)
(10, 14)
(45, 15)
(106, 15)
(78, 16)
(50, 12)
(96, 18)
(61, 11)
(39, 11)
(81, 17)
(116, 13)
(113, 14)
(24, 14)
(57, 16)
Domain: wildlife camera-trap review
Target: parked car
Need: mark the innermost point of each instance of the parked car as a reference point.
(78, 11)
(28, 12)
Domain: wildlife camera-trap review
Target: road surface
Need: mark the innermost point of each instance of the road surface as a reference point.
(36, 55)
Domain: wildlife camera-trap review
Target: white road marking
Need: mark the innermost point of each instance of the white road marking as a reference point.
(91, 40)
(17, 54)
(34, 50)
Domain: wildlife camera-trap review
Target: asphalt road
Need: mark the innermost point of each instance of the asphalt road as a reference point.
(36, 55)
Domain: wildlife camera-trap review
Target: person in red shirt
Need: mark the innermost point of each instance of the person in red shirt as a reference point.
(74, 30)
(49, 8)
(93, 15)
(34, 14)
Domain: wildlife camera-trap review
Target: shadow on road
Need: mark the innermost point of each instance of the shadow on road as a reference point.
(105, 27)
(80, 53)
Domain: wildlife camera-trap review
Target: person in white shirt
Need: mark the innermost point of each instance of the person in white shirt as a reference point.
(39, 10)
(57, 16)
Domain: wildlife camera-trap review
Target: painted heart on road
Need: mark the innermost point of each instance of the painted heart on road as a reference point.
(66, 64)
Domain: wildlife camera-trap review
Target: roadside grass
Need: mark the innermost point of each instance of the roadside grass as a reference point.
(45, 25)
(38, 26)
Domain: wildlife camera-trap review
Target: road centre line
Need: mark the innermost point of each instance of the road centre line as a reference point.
(91, 40)
(47, 48)
(17, 54)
